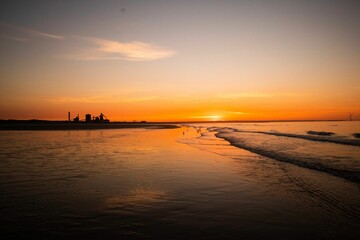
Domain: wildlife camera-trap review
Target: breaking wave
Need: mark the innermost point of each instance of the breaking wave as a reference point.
(316, 137)
(338, 157)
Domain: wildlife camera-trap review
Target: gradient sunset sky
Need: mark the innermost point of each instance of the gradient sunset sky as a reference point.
(180, 60)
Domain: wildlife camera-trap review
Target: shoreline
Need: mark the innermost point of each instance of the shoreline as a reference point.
(38, 126)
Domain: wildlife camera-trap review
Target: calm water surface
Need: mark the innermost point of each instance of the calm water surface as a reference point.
(186, 183)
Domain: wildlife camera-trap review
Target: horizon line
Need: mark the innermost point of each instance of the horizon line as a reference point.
(176, 122)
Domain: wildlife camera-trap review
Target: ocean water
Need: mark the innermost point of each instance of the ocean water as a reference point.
(301, 144)
(201, 181)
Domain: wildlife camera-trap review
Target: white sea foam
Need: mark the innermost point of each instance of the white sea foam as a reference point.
(337, 154)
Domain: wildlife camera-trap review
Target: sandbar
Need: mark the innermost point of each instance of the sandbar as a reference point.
(58, 125)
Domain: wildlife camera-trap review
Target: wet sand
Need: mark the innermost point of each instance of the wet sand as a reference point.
(163, 184)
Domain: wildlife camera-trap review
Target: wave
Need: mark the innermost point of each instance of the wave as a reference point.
(302, 160)
(322, 133)
(319, 138)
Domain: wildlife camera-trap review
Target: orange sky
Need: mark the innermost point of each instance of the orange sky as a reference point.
(180, 61)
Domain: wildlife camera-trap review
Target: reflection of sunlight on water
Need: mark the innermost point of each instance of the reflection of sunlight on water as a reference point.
(137, 196)
(139, 149)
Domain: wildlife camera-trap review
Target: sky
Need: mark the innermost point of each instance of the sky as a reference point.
(180, 60)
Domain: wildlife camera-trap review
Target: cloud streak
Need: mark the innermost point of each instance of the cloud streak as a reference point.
(22, 34)
(244, 95)
(235, 96)
(136, 51)
(104, 49)
(90, 48)
(101, 99)
(236, 113)
(46, 35)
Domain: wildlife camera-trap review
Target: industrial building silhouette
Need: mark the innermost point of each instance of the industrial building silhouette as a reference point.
(89, 119)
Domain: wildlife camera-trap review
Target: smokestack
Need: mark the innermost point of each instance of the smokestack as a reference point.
(69, 116)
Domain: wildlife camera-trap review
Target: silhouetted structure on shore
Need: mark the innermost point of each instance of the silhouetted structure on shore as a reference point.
(88, 119)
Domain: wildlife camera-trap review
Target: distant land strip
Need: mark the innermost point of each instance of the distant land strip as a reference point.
(61, 125)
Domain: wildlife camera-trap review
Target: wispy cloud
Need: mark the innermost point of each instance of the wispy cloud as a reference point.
(101, 99)
(104, 49)
(47, 35)
(19, 39)
(237, 113)
(23, 34)
(235, 96)
(66, 99)
(136, 51)
(90, 48)
(140, 99)
(244, 95)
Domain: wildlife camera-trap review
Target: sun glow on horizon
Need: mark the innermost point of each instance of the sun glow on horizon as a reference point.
(209, 117)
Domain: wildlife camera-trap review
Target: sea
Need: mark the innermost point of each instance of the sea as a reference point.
(266, 180)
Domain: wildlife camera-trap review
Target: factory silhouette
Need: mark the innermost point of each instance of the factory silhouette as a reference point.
(89, 119)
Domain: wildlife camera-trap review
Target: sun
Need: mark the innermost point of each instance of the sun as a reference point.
(215, 117)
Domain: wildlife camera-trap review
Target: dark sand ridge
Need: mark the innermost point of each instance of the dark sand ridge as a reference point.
(53, 125)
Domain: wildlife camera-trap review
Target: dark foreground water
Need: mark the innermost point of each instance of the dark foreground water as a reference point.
(179, 184)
